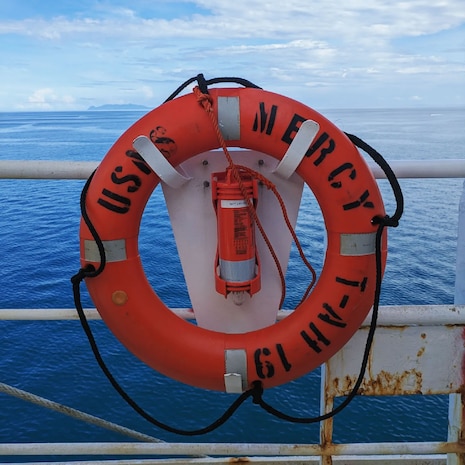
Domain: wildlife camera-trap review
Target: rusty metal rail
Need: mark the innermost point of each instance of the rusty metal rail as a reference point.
(413, 365)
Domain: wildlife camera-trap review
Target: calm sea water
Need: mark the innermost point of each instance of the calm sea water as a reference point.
(39, 248)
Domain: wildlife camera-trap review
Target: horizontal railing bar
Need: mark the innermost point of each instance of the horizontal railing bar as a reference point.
(452, 168)
(395, 315)
(46, 169)
(231, 449)
(35, 314)
(261, 460)
(51, 169)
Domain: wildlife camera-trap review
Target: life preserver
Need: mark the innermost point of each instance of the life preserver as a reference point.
(341, 182)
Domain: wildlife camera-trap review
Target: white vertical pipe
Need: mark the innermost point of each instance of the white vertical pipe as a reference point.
(460, 266)
(456, 409)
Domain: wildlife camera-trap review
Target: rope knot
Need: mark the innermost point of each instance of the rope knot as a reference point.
(386, 221)
(257, 392)
(87, 272)
(204, 99)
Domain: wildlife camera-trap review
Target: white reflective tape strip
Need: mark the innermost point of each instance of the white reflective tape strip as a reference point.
(358, 244)
(237, 271)
(229, 117)
(157, 161)
(115, 251)
(235, 378)
(298, 148)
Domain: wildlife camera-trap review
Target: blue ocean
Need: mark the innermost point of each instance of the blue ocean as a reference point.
(39, 222)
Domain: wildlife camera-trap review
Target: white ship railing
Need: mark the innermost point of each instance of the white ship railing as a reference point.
(50, 169)
(426, 356)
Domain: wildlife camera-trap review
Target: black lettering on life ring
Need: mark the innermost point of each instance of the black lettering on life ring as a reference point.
(124, 202)
(128, 178)
(116, 202)
(338, 171)
(293, 127)
(313, 343)
(344, 300)
(324, 151)
(363, 202)
(347, 282)
(138, 161)
(259, 368)
(265, 369)
(166, 145)
(265, 119)
(331, 317)
(282, 356)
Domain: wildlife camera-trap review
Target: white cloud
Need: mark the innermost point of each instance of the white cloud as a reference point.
(46, 99)
(126, 53)
(262, 19)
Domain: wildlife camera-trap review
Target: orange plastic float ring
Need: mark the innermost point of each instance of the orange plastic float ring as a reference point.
(349, 199)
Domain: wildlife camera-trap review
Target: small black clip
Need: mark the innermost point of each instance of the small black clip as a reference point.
(202, 83)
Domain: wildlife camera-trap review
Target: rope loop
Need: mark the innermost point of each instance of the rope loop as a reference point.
(256, 391)
(204, 98)
(90, 271)
(86, 272)
(204, 83)
(386, 221)
(382, 222)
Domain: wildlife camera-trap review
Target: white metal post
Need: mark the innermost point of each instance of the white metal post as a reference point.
(456, 401)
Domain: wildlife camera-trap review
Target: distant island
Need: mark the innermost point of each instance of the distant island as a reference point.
(118, 107)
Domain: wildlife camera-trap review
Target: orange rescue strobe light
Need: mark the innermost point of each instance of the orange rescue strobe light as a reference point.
(237, 267)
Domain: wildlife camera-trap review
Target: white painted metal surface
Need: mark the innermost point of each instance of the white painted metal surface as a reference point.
(229, 449)
(194, 226)
(404, 359)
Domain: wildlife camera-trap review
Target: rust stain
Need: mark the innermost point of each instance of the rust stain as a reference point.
(440, 448)
(451, 447)
(326, 433)
(421, 352)
(461, 390)
(384, 383)
(423, 335)
(239, 460)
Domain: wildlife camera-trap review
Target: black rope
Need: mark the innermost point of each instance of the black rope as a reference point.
(382, 222)
(384, 165)
(90, 272)
(258, 399)
(256, 392)
(204, 83)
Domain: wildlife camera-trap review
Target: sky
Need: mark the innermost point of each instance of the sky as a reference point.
(69, 55)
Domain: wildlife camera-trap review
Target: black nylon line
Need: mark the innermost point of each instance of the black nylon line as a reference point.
(204, 83)
(382, 222)
(91, 272)
(256, 392)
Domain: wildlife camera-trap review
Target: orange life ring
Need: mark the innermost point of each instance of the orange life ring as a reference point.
(349, 199)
